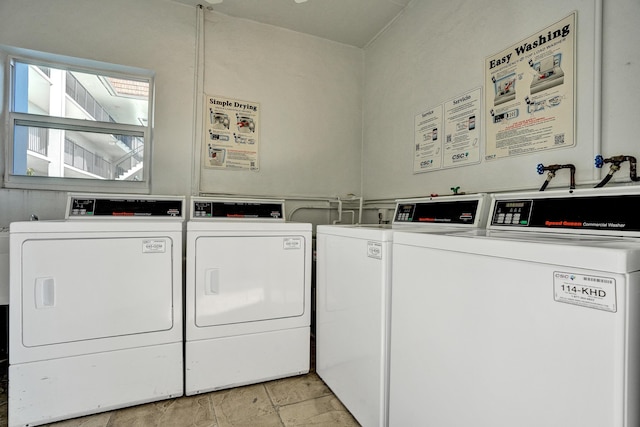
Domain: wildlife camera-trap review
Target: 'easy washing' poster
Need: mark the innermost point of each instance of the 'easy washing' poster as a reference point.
(530, 93)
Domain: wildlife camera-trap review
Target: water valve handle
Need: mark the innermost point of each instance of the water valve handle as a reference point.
(599, 161)
(540, 168)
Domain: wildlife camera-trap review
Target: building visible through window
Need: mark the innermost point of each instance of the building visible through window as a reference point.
(69, 122)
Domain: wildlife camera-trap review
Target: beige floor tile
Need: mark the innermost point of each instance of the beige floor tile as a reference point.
(269, 420)
(324, 411)
(96, 420)
(296, 389)
(138, 416)
(194, 411)
(247, 406)
(4, 416)
(4, 385)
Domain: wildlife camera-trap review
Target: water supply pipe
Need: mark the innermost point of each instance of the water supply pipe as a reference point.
(552, 169)
(616, 161)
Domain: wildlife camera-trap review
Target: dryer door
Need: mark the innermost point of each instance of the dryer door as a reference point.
(80, 289)
(248, 279)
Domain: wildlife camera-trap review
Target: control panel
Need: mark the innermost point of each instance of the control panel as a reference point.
(437, 211)
(203, 208)
(93, 206)
(512, 212)
(604, 213)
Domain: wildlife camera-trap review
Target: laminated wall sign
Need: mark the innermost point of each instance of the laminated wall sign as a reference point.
(231, 134)
(448, 135)
(462, 130)
(530, 93)
(428, 148)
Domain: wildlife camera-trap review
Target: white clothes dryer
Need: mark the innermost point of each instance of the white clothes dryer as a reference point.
(96, 308)
(353, 288)
(248, 299)
(535, 323)
(4, 266)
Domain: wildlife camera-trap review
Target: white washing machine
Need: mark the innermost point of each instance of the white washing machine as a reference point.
(248, 296)
(96, 308)
(4, 294)
(536, 323)
(353, 291)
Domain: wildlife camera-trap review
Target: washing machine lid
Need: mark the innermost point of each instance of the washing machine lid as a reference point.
(124, 206)
(377, 232)
(603, 253)
(231, 209)
(466, 211)
(601, 211)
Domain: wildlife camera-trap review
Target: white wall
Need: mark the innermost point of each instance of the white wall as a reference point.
(435, 51)
(151, 34)
(620, 82)
(309, 90)
(318, 98)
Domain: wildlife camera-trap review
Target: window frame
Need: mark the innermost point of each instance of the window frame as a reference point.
(8, 56)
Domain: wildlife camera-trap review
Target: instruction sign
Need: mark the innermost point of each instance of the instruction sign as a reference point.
(462, 130)
(428, 151)
(530, 93)
(448, 135)
(231, 134)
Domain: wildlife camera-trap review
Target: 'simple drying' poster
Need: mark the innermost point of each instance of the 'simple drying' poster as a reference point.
(231, 133)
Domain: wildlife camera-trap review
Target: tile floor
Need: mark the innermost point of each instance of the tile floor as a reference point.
(297, 401)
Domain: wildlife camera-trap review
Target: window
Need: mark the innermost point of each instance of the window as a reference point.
(76, 125)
